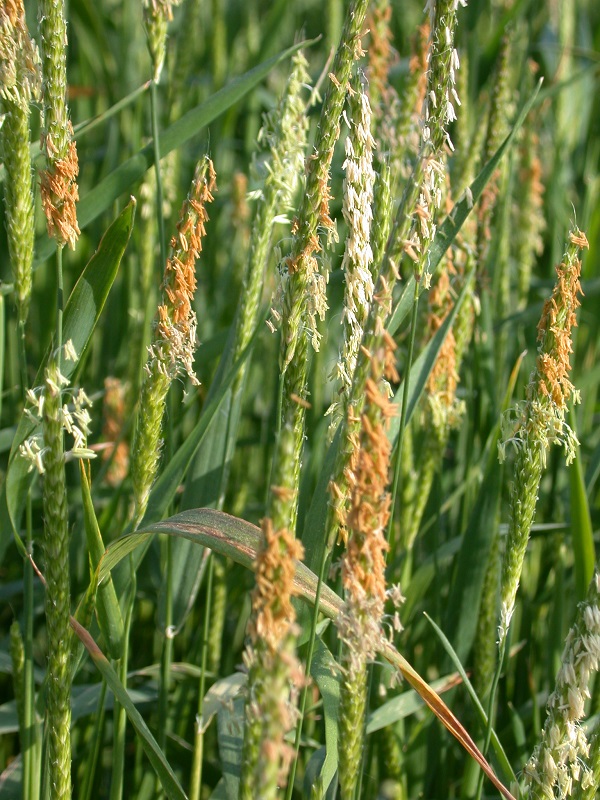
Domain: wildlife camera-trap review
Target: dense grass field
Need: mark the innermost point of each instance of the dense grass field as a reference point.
(299, 399)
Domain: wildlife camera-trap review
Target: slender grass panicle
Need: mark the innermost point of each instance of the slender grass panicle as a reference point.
(20, 85)
(358, 256)
(304, 298)
(174, 338)
(283, 137)
(540, 420)
(558, 762)
(58, 590)
(273, 669)
(58, 184)
(363, 563)
(157, 15)
(438, 112)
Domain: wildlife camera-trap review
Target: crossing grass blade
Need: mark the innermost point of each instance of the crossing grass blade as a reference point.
(81, 315)
(239, 540)
(163, 770)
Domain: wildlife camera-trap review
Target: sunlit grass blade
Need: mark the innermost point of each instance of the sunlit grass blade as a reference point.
(108, 609)
(582, 533)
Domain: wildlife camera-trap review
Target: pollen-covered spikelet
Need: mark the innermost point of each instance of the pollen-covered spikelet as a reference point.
(174, 336)
(58, 182)
(274, 673)
(304, 298)
(358, 255)
(540, 421)
(557, 765)
(363, 564)
(589, 791)
(411, 234)
(20, 84)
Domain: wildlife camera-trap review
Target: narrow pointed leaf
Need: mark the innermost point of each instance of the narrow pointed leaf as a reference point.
(499, 750)
(155, 755)
(582, 532)
(108, 610)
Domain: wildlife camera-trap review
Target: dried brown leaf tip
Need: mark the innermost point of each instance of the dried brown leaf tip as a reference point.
(60, 194)
(272, 610)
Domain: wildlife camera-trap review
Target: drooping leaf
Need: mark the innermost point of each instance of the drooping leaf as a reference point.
(161, 766)
(240, 540)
